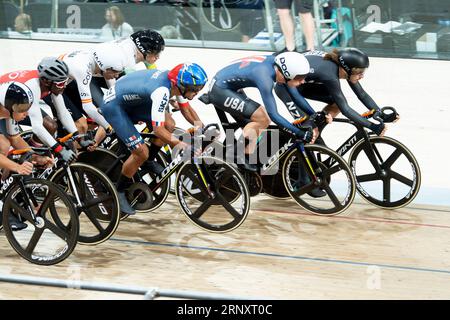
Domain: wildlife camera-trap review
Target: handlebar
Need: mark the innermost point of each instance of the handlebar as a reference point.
(386, 114)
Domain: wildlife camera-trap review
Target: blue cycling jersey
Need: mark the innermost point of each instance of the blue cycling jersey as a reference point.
(259, 72)
(139, 96)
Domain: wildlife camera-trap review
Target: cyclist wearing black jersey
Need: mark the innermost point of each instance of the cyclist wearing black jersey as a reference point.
(323, 84)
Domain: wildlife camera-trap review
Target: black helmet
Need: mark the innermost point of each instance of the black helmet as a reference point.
(148, 41)
(350, 58)
(53, 69)
(18, 98)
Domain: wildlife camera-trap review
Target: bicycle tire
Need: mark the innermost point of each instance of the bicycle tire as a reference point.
(340, 202)
(214, 226)
(96, 185)
(68, 233)
(385, 201)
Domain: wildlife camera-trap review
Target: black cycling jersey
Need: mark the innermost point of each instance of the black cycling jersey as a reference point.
(323, 84)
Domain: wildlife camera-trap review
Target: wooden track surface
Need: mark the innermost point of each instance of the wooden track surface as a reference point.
(365, 253)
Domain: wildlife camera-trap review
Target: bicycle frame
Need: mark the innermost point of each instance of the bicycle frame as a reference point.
(360, 134)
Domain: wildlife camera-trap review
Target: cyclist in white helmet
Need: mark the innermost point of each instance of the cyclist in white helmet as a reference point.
(104, 60)
(262, 72)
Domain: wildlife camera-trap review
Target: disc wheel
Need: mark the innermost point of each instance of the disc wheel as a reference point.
(391, 182)
(336, 182)
(213, 211)
(44, 241)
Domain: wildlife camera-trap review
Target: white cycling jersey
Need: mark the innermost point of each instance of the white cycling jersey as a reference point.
(82, 67)
(31, 79)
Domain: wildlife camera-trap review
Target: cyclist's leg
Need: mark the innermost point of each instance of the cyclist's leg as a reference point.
(128, 134)
(241, 107)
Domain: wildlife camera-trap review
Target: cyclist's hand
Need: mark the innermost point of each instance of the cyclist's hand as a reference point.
(67, 155)
(93, 147)
(396, 118)
(306, 135)
(378, 128)
(43, 161)
(328, 118)
(315, 135)
(25, 168)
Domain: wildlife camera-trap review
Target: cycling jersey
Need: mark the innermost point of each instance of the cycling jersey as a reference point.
(81, 69)
(259, 72)
(31, 79)
(140, 96)
(323, 84)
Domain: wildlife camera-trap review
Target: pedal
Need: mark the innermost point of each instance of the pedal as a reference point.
(140, 196)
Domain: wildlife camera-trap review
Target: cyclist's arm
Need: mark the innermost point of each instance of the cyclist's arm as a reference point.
(86, 99)
(363, 96)
(37, 125)
(272, 111)
(63, 114)
(160, 99)
(300, 101)
(17, 142)
(334, 87)
(188, 112)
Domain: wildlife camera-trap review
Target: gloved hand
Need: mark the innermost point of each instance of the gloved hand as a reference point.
(67, 155)
(306, 135)
(377, 128)
(319, 118)
(84, 140)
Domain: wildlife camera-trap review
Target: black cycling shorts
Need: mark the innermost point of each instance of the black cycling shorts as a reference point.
(235, 103)
(302, 6)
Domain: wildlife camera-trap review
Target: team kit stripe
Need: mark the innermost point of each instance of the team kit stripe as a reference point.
(157, 123)
(86, 100)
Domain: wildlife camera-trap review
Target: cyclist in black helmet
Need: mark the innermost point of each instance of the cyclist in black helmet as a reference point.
(323, 84)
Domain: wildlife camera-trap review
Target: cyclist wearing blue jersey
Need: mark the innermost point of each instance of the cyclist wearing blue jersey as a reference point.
(261, 72)
(143, 96)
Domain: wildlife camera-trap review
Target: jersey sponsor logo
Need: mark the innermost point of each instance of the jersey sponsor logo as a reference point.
(88, 77)
(131, 97)
(235, 104)
(100, 64)
(283, 67)
(163, 103)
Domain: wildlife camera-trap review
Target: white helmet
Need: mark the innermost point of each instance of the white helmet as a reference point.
(109, 55)
(292, 64)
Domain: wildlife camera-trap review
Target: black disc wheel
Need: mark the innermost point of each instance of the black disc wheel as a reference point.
(95, 198)
(389, 176)
(212, 194)
(51, 235)
(330, 192)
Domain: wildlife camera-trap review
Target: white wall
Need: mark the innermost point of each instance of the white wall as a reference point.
(419, 89)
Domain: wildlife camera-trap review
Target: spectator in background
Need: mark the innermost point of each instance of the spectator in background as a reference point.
(22, 23)
(116, 27)
(304, 8)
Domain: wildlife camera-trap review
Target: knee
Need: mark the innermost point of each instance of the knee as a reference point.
(332, 109)
(50, 124)
(266, 121)
(141, 154)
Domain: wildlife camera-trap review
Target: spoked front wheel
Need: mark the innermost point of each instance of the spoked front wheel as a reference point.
(44, 241)
(332, 192)
(212, 194)
(395, 182)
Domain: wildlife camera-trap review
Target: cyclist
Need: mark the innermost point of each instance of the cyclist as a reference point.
(143, 97)
(91, 70)
(262, 72)
(48, 80)
(15, 101)
(323, 84)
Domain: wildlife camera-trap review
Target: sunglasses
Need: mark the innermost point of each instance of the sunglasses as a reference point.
(60, 84)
